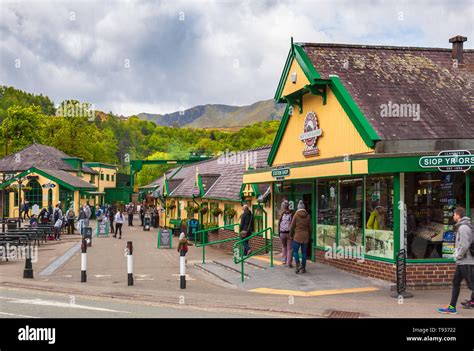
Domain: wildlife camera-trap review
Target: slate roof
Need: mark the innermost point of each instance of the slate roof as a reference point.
(221, 180)
(39, 156)
(377, 75)
(68, 178)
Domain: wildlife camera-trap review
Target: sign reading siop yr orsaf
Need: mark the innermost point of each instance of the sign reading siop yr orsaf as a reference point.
(449, 161)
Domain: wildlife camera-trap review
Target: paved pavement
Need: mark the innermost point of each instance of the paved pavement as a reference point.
(277, 291)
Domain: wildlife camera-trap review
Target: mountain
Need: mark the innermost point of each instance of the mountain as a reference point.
(219, 116)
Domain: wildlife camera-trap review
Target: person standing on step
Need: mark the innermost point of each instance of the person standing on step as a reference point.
(300, 233)
(284, 224)
(464, 256)
(119, 219)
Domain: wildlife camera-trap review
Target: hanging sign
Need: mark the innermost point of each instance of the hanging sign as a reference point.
(310, 135)
(49, 186)
(449, 161)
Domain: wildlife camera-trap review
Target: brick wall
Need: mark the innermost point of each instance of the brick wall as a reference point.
(419, 276)
(255, 243)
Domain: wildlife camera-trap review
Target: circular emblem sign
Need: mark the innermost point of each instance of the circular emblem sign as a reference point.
(310, 135)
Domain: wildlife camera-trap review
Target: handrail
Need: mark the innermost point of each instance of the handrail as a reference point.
(203, 243)
(238, 252)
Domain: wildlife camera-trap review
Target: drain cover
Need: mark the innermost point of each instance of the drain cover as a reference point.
(343, 314)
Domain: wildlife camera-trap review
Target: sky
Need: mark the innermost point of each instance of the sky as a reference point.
(163, 56)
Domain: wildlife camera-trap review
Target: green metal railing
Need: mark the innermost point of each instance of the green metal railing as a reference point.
(204, 232)
(238, 249)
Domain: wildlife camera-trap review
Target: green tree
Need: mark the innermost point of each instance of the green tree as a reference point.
(21, 127)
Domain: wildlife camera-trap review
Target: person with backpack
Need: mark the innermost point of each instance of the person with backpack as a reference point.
(284, 225)
(57, 213)
(99, 214)
(111, 217)
(119, 219)
(464, 256)
(246, 227)
(300, 233)
(57, 227)
(70, 215)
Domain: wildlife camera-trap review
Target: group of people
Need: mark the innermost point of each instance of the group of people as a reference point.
(295, 235)
(52, 216)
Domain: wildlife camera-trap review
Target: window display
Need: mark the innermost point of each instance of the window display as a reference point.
(379, 217)
(351, 193)
(327, 213)
(431, 199)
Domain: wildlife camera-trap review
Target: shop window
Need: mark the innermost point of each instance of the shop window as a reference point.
(213, 206)
(327, 213)
(471, 195)
(379, 217)
(351, 197)
(35, 195)
(257, 218)
(430, 200)
(15, 199)
(228, 210)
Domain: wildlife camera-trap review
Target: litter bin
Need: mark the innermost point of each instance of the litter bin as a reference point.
(87, 235)
(147, 222)
(193, 227)
(12, 224)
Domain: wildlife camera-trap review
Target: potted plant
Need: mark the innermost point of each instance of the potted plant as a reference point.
(189, 210)
(196, 209)
(230, 212)
(203, 209)
(216, 212)
(171, 205)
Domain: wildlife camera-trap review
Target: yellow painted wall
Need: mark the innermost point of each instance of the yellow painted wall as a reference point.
(301, 80)
(339, 137)
(101, 184)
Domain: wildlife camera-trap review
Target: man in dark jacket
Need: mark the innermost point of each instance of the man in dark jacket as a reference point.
(300, 233)
(246, 228)
(464, 261)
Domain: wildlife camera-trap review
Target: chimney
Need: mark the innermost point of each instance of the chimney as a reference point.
(457, 52)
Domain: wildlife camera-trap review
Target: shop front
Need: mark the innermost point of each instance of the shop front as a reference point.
(375, 187)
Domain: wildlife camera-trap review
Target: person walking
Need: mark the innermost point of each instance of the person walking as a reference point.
(463, 254)
(118, 223)
(26, 208)
(246, 227)
(142, 214)
(284, 224)
(88, 213)
(70, 215)
(300, 233)
(57, 228)
(111, 216)
(183, 243)
(130, 214)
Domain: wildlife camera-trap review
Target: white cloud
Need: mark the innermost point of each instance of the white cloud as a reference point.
(223, 52)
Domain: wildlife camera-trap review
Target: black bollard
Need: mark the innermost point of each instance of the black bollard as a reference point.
(28, 272)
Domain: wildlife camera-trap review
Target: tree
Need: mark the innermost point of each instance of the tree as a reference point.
(21, 127)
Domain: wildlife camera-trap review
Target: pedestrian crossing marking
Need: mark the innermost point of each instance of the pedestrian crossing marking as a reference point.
(312, 293)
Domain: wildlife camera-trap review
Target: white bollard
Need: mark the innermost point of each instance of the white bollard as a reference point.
(182, 269)
(84, 261)
(130, 263)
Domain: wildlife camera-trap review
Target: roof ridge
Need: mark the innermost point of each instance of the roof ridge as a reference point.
(384, 47)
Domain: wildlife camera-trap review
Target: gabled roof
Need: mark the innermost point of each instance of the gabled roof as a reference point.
(376, 76)
(38, 155)
(221, 179)
(63, 178)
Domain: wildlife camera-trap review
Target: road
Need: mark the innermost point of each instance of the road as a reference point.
(19, 303)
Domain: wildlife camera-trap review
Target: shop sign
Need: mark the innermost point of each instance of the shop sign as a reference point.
(49, 185)
(449, 161)
(280, 173)
(310, 135)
